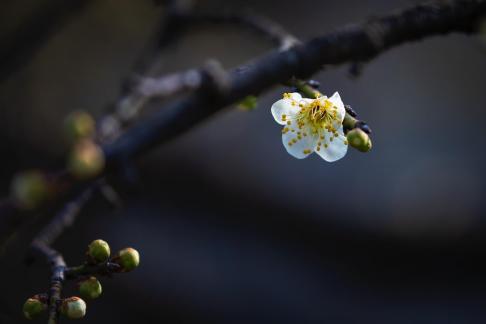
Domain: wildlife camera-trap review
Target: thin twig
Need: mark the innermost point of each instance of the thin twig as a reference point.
(126, 108)
(105, 269)
(257, 23)
(66, 217)
(58, 265)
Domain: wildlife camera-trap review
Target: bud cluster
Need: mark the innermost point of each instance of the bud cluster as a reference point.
(97, 256)
(86, 159)
(99, 252)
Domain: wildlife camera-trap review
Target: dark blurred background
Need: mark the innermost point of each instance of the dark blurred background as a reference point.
(232, 229)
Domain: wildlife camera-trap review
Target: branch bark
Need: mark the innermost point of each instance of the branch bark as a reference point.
(58, 265)
(354, 43)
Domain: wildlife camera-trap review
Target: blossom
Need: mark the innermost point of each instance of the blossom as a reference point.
(312, 125)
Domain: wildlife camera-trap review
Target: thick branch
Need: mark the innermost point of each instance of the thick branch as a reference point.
(351, 44)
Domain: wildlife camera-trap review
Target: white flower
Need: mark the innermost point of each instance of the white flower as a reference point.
(312, 125)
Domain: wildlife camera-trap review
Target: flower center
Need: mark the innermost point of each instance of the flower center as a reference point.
(319, 115)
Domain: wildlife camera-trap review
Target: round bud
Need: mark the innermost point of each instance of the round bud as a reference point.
(98, 251)
(358, 139)
(248, 103)
(33, 307)
(86, 159)
(80, 124)
(128, 259)
(73, 308)
(90, 288)
(29, 189)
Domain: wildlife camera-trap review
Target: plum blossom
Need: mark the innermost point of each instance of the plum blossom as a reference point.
(312, 125)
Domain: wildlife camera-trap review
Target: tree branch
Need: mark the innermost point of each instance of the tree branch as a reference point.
(354, 43)
(58, 265)
(105, 269)
(65, 218)
(255, 22)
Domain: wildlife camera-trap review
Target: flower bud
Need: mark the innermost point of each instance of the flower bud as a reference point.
(86, 159)
(80, 124)
(248, 103)
(358, 139)
(33, 307)
(349, 122)
(90, 288)
(98, 251)
(29, 189)
(128, 259)
(73, 308)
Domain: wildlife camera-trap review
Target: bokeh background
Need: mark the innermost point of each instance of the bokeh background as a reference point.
(231, 228)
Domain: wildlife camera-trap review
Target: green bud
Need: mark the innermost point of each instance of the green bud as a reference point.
(29, 189)
(90, 288)
(33, 307)
(80, 124)
(86, 159)
(128, 259)
(73, 308)
(358, 139)
(98, 251)
(349, 121)
(248, 103)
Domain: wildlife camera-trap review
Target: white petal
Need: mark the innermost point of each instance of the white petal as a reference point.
(295, 96)
(306, 101)
(299, 143)
(336, 101)
(336, 149)
(287, 107)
